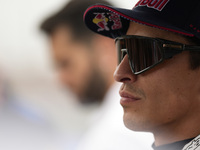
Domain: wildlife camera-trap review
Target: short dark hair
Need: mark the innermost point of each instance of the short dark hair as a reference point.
(71, 16)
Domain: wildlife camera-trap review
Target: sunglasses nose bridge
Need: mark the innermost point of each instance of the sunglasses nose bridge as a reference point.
(123, 72)
(124, 52)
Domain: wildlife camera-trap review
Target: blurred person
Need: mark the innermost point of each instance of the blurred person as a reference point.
(85, 63)
(22, 126)
(158, 44)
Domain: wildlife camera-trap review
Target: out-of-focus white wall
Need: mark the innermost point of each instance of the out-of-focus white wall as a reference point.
(24, 55)
(25, 61)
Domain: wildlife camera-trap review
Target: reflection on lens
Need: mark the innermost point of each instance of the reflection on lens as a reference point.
(143, 53)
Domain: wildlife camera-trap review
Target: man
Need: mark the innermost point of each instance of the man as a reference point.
(158, 67)
(76, 54)
(85, 63)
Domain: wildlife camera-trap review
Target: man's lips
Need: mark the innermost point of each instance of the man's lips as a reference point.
(127, 98)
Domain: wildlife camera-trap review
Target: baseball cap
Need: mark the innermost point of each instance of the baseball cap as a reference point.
(178, 16)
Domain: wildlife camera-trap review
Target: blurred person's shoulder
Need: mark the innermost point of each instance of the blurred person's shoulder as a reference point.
(21, 126)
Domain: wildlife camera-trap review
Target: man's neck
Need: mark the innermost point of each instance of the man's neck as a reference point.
(174, 133)
(173, 146)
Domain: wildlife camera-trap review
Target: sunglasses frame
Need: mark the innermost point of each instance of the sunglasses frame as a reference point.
(168, 50)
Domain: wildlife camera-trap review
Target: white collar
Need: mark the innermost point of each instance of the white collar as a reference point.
(193, 145)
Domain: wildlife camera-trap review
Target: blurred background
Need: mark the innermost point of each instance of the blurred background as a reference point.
(28, 77)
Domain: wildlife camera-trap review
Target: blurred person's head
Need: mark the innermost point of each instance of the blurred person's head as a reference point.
(85, 61)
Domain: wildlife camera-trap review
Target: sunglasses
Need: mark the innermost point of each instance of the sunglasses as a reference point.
(144, 52)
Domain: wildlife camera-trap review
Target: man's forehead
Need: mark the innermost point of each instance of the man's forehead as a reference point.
(143, 30)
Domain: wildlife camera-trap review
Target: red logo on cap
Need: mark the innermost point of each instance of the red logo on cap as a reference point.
(101, 21)
(155, 4)
(195, 28)
(117, 22)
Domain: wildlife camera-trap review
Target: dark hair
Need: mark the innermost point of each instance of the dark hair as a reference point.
(71, 15)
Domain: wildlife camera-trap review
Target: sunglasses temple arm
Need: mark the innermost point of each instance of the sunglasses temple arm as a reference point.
(171, 52)
(191, 48)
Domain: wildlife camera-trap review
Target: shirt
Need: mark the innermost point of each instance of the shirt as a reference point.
(173, 146)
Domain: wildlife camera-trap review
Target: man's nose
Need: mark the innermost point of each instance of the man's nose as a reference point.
(123, 72)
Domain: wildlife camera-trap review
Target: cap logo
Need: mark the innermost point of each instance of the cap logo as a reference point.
(117, 24)
(194, 28)
(102, 21)
(155, 4)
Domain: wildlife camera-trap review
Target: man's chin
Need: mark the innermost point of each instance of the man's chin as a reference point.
(136, 124)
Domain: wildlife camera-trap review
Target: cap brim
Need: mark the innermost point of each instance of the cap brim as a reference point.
(114, 22)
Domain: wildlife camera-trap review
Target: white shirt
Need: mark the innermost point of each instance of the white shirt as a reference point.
(23, 129)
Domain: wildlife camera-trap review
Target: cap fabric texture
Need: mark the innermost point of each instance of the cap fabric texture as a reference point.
(179, 16)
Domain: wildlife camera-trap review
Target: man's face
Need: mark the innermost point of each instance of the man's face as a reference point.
(162, 96)
(76, 66)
